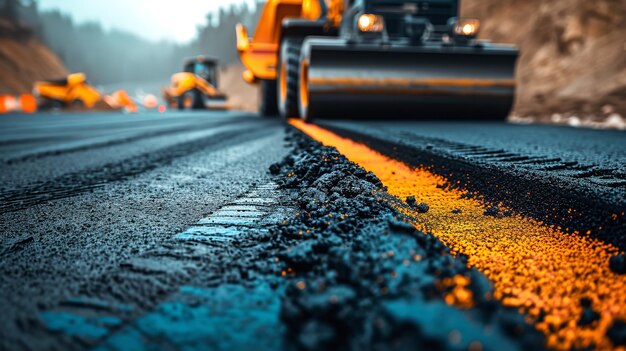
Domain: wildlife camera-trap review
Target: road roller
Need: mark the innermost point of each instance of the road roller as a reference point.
(376, 59)
(196, 87)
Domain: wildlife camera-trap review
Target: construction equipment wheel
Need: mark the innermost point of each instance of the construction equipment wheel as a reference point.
(50, 105)
(191, 100)
(268, 101)
(288, 77)
(303, 91)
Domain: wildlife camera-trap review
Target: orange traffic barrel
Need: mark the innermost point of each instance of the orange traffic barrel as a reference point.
(28, 103)
(25, 103)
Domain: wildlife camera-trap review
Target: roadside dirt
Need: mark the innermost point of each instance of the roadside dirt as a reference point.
(241, 95)
(24, 60)
(572, 67)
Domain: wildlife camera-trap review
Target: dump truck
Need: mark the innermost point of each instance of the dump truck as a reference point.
(376, 58)
(196, 87)
(72, 90)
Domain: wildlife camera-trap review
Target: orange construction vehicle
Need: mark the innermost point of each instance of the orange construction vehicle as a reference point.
(196, 87)
(120, 100)
(410, 58)
(72, 90)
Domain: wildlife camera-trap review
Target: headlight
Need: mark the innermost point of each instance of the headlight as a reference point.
(466, 27)
(371, 23)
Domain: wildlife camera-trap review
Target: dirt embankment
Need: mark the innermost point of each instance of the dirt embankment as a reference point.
(573, 54)
(24, 59)
(241, 95)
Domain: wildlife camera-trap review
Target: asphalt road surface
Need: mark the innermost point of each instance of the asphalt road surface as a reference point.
(82, 193)
(100, 214)
(531, 168)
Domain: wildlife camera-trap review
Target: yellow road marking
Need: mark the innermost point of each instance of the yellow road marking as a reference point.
(534, 267)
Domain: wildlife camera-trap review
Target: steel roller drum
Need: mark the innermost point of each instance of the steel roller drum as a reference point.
(351, 80)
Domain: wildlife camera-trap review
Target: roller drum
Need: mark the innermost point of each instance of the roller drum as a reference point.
(343, 80)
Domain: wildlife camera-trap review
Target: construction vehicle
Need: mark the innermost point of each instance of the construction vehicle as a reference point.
(376, 58)
(70, 91)
(120, 100)
(196, 87)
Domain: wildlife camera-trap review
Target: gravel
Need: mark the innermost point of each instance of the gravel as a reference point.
(365, 278)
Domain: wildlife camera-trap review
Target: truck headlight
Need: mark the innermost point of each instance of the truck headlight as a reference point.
(371, 23)
(466, 27)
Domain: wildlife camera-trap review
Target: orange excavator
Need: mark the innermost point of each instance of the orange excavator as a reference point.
(196, 87)
(373, 58)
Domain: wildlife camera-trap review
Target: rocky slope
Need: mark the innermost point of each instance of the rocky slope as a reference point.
(573, 54)
(241, 95)
(24, 60)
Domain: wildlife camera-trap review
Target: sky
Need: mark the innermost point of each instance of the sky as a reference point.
(174, 20)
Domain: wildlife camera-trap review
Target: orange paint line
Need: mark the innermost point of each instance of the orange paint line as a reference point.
(536, 268)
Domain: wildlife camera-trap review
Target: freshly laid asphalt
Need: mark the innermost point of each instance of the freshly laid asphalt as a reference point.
(543, 171)
(81, 195)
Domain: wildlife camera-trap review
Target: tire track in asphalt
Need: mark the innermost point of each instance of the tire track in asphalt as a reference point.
(91, 146)
(586, 198)
(107, 306)
(75, 183)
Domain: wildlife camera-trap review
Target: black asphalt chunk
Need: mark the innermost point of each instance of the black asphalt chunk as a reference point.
(422, 207)
(364, 278)
(617, 333)
(588, 317)
(617, 264)
(411, 201)
(493, 211)
(275, 168)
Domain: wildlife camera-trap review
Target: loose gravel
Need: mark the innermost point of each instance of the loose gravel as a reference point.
(365, 278)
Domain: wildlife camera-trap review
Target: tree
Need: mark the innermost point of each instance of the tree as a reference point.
(9, 9)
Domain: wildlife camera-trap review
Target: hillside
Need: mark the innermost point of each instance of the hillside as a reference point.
(24, 60)
(241, 95)
(573, 54)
